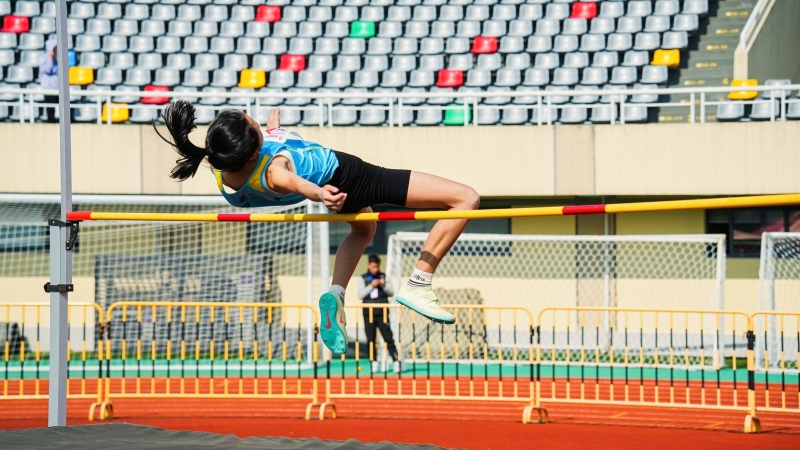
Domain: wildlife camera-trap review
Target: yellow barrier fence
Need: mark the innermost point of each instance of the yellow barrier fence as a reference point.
(487, 355)
(777, 384)
(642, 357)
(25, 340)
(202, 350)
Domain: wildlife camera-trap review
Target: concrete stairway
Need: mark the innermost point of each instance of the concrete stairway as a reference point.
(709, 60)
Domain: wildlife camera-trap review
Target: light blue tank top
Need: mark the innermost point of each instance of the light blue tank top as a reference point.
(309, 161)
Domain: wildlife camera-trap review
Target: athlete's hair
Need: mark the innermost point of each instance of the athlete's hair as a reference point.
(374, 259)
(230, 142)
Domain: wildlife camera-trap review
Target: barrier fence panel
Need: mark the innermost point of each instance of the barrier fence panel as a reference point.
(777, 382)
(211, 350)
(25, 348)
(487, 355)
(673, 358)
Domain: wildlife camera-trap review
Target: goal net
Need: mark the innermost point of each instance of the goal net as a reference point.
(163, 261)
(538, 272)
(779, 290)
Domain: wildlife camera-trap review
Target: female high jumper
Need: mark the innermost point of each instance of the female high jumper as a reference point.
(277, 167)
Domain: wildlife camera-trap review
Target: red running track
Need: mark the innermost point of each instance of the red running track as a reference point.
(444, 423)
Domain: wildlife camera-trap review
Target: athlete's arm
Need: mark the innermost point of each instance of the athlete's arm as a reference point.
(274, 119)
(280, 179)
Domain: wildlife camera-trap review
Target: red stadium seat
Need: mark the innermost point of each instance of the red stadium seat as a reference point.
(484, 44)
(155, 100)
(450, 78)
(584, 10)
(268, 13)
(15, 24)
(295, 63)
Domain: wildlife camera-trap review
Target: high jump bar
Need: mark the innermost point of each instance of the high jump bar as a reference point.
(505, 213)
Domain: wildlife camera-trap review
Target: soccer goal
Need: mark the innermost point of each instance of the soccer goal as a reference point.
(166, 261)
(678, 272)
(779, 291)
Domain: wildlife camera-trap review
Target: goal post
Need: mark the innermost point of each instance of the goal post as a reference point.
(536, 272)
(166, 261)
(779, 290)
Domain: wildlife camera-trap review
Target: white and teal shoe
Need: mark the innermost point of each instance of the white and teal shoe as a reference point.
(333, 322)
(425, 302)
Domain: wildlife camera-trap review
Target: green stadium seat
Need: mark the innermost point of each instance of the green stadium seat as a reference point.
(361, 29)
(454, 114)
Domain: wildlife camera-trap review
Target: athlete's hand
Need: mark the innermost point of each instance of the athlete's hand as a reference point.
(332, 198)
(274, 119)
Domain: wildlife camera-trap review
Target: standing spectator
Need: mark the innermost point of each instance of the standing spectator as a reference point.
(373, 287)
(48, 76)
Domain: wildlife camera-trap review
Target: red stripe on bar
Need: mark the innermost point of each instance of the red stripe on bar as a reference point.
(583, 209)
(405, 215)
(233, 217)
(79, 215)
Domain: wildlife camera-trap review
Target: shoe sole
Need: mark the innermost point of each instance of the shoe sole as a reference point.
(333, 334)
(410, 306)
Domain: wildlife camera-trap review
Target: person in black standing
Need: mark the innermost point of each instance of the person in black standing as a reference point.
(373, 287)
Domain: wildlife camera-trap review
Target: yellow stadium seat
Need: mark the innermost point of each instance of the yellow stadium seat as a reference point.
(81, 75)
(669, 58)
(743, 95)
(252, 78)
(119, 112)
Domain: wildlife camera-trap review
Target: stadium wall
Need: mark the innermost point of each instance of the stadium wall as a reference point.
(518, 162)
(771, 53)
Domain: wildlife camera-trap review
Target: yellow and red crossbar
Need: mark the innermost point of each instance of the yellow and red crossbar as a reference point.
(614, 208)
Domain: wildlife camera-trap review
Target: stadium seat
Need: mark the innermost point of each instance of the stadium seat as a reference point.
(574, 26)
(457, 114)
(121, 61)
(669, 58)
(43, 25)
(766, 110)
(634, 114)
(537, 77)
(365, 79)
(639, 8)
(109, 76)
(421, 78)
(616, 98)
(267, 13)
(15, 24)
(393, 78)
(666, 7)
(450, 78)
(576, 60)
(404, 46)
(119, 112)
(468, 29)
(443, 29)
(584, 10)
(657, 24)
(215, 101)
(574, 115)
(8, 41)
(404, 63)
(504, 100)
(30, 41)
(362, 29)
(647, 41)
(456, 45)
(519, 61)
(263, 62)
(308, 29)
(252, 78)
(431, 46)
(294, 63)
(206, 61)
(548, 27)
(547, 114)
(592, 43)
(301, 46)
(155, 100)
(602, 25)
(487, 116)
(478, 78)
(82, 10)
(27, 8)
(195, 78)
(514, 116)
(320, 14)
(371, 14)
(484, 44)
(565, 77)
(143, 115)
(595, 76)
(689, 23)
(81, 76)
(730, 112)
(159, 12)
(491, 61)
(431, 62)
(636, 58)
(150, 61)
(587, 97)
(274, 46)
(167, 77)
(98, 27)
(743, 95)
(353, 46)
(231, 29)
(152, 28)
(337, 78)
(644, 98)
(351, 63)
(612, 9)
(179, 28)
(654, 75)
(623, 75)
(699, 7)
(340, 14)
(344, 117)
(605, 59)
(511, 44)
(311, 79)
(520, 28)
(793, 112)
(284, 29)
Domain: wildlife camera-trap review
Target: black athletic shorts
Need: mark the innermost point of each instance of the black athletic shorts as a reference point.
(367, 185)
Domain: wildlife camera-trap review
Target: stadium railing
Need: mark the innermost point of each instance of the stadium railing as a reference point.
(205, 350)
(253, 103)
(486, 356)
(25, 334)
(778, 337)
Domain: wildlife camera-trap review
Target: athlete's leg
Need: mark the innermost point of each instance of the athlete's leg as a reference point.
(331, 304)
(350, 250)
(430, 191)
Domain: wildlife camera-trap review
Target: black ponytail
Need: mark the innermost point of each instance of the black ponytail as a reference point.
(230, 142)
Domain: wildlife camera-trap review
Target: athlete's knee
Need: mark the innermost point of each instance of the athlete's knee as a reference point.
(469, 199)
(364, 229)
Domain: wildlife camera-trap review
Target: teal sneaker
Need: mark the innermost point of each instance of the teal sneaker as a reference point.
(425, 302)
(333, 322)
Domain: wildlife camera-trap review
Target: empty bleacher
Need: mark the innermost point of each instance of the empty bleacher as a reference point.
(362, 46)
